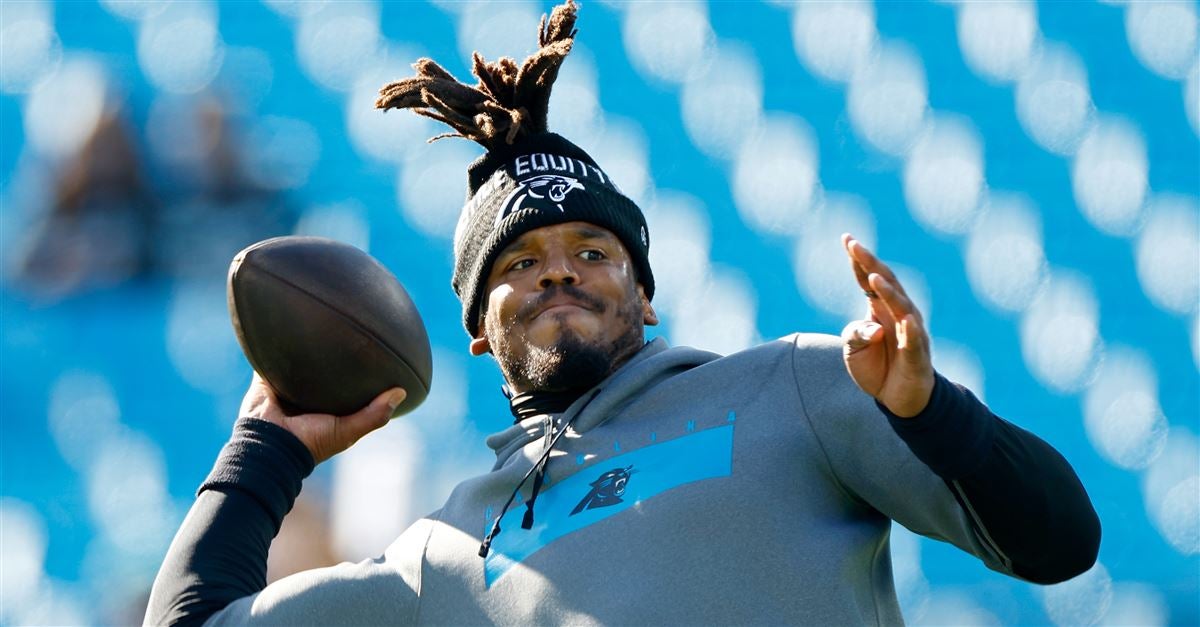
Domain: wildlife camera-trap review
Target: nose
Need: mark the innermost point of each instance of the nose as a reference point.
(558, 269)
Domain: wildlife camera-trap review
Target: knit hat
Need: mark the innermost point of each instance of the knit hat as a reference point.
(529, 178)
(539, 181)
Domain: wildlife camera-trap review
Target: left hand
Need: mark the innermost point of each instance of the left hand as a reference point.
(887, 354)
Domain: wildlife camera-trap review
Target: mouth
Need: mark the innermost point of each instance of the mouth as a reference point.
(561, 308)
(560, 300)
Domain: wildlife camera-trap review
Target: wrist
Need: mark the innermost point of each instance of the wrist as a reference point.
(952, 435)
(265, 461)
(917, 398)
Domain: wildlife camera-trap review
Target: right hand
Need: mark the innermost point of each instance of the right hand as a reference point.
(887, 354)
(325, 435)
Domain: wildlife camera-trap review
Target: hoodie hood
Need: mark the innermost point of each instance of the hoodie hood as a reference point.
(649, 366)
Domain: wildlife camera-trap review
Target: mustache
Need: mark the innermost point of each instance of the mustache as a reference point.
(591, 302)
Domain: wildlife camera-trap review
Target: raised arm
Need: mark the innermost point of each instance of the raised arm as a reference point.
(219, 554)
(1023, 499)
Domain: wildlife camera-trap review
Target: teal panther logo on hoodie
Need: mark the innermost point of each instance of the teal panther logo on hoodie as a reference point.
(607, 490)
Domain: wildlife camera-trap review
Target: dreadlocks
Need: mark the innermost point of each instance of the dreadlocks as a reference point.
(509, 102)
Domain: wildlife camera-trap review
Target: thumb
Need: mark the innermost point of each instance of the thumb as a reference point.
(373, 416)
(860, 334)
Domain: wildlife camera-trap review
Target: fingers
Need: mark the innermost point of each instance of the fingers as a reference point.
(326, 435)
(860, 272)
(878, 281)
(913, 341)
(890, 305)
(866, 263)
(892, 298)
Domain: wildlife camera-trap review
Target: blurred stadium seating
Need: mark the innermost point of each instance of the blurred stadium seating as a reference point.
(1033, 169)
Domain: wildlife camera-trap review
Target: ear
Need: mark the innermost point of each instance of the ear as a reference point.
(479, 344)
(649, 316)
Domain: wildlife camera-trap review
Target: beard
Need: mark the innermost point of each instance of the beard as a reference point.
(571, 362)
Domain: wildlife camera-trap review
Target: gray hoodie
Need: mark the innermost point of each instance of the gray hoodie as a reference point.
(690, 489)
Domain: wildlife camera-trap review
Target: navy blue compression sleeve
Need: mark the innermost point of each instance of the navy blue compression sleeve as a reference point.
(1022, 496)
(219, 554)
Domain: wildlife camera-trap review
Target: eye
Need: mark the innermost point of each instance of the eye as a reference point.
(593, 254)
(520, 264)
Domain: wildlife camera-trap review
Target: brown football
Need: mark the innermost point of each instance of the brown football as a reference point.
(327, 326)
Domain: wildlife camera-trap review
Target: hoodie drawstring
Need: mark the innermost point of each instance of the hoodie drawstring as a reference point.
(539, 477)
(540, 469)
(527, 520)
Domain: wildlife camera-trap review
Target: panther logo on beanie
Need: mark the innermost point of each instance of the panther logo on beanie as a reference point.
(529, 177)
(552, 187)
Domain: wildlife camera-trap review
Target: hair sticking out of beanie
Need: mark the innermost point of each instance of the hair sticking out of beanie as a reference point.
(508, 103)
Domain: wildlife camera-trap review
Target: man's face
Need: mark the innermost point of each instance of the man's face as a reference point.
(564, 308)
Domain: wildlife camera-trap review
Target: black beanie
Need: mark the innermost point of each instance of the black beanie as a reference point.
(540, 180)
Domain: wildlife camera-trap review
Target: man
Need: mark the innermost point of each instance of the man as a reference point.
(651, 484)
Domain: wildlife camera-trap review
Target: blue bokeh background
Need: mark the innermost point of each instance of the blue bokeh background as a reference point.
(154, 355)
